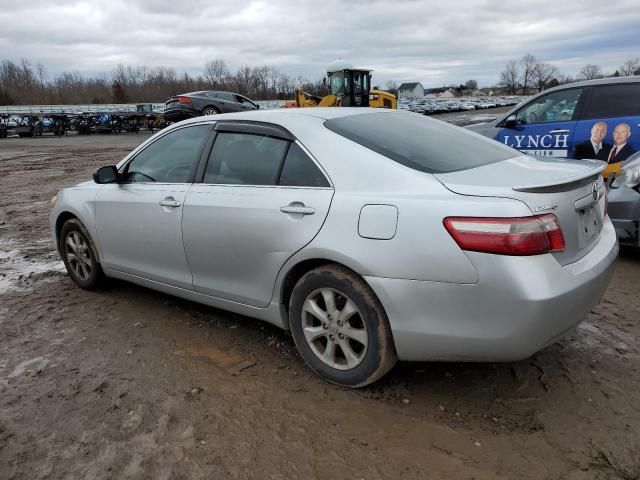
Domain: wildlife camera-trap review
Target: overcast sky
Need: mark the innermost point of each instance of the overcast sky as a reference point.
(434, 42)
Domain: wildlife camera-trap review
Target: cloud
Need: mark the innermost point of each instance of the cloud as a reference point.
(433, 42)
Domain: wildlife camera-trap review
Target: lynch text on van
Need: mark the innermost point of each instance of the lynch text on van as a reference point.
(537, 141)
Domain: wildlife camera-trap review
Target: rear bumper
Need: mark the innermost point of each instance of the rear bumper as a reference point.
(520, 305)
(177, 113)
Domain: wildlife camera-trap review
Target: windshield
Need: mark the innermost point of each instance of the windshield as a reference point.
(337, 83)
(420, 142)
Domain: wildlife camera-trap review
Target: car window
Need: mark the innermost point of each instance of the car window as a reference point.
(229, 97)
(554, 107)
(169, 159)
(244, 100)
(420, 142)
(244, 159)
(621, 100)
(212, 94)
(300, 171)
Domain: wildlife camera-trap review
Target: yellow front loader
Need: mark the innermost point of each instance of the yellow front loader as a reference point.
(350, 87)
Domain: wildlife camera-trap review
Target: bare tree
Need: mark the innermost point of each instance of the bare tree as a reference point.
(392, 85)
(216, 72)
(509, 77)
(543, 74)
(42, 80)
(590, 71)
(629, 67)
(528, 64)
(471, 85)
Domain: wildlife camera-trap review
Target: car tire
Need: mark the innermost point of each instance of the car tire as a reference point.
(340, 327)
(206, 111)
(80, 255)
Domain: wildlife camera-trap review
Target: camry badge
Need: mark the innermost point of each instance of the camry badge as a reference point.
(542, 208)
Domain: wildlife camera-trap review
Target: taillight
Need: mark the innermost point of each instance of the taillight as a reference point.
(507, 236)
(183, 99)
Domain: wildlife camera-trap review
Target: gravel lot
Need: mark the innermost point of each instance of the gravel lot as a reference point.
(129, 383)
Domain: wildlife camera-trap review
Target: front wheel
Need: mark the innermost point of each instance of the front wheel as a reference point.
(79, 255)
(340, 327)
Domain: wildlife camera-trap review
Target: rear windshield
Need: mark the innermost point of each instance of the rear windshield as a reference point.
(420, 142)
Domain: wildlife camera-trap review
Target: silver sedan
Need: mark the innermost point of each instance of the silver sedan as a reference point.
(372, 235)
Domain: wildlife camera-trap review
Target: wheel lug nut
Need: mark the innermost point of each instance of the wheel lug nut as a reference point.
(332, 338)
(325, 326)
(339, 323)
(340, 336)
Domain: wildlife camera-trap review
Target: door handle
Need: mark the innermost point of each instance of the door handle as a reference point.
(170, 202)
(566, 130)
(298, 208)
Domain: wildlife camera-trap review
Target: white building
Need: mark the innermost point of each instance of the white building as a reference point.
(411, 90)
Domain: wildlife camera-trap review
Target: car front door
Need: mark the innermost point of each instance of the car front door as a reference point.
(245, 103)
(545, 126)
(139, 219)
(261, 199)
(610, 109)
(229, 102)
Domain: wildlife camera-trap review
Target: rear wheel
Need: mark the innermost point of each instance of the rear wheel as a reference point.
(79, 255)
(210, 111)
(340, 328)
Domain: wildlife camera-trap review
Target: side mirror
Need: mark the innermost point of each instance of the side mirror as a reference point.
(106, 175)
(257, 106)
(510, 121)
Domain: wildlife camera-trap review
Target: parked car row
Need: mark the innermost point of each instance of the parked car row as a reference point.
(429, 106)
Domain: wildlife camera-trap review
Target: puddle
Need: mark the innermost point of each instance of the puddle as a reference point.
(33, 364)
(218, 357)
(14, 266)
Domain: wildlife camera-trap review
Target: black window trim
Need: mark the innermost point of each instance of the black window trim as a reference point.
(255, 128)
(194, 168)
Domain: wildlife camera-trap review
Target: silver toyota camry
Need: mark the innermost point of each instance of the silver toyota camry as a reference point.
(372, 235)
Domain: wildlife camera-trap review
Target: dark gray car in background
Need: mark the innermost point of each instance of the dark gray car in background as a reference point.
(624, 202)
(208, 102)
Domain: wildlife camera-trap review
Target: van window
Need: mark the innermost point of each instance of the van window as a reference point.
(618, 100)
(554, 107)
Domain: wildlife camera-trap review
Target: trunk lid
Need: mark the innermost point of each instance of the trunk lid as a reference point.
(562, 187)
(171, 101)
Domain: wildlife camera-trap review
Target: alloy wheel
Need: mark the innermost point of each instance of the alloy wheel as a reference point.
(78, 255)
(334, 328)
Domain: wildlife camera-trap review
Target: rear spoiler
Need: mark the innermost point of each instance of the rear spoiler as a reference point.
(567, 183)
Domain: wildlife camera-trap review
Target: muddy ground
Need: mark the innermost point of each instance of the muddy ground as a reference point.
(129, 383)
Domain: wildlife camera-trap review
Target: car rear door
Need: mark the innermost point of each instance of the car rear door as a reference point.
(139, 220)
(545, 126)
(615, 105)
(261, 199)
